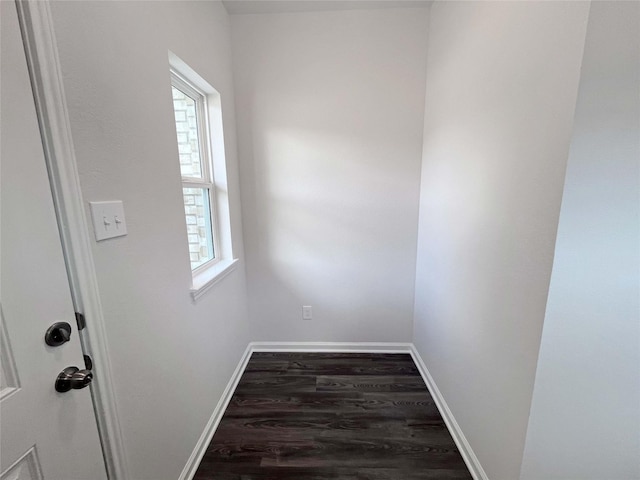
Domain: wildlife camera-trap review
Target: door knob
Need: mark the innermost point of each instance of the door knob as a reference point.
(57, 334)
(73, 378)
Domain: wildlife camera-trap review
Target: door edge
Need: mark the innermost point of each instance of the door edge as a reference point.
(38, 36)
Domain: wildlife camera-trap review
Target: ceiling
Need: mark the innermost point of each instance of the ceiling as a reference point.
(240, 7)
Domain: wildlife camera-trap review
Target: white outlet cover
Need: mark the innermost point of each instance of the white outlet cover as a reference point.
(108, 219)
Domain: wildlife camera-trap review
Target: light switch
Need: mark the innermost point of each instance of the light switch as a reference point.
(108, 219)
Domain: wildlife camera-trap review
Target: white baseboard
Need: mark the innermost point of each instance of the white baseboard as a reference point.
(469, 457)
(344, 347)
(190, 468)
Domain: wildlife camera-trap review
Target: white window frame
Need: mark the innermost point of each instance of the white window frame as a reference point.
(207, 180)
(214, 174)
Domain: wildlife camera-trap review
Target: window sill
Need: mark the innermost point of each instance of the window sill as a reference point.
(203, 282)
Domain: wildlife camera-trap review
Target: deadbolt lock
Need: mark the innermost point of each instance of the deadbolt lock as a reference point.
(57, 334)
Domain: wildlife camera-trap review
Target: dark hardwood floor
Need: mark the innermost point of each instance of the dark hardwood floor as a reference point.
(318, 416)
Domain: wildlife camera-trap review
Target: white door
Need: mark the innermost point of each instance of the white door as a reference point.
(44, 434)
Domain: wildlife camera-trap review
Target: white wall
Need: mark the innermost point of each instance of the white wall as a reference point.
(585, 414)
(501, 87)
(330, 108)
(171, 358)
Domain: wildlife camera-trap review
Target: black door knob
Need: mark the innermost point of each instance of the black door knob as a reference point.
(57, 334)
(73, 378)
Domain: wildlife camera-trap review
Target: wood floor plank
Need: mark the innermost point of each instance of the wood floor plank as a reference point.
(368, 383)
(259, 382)
(354, 366)
(320, 416)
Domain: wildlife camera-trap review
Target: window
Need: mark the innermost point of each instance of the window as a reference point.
(198, 121)
(192, 129)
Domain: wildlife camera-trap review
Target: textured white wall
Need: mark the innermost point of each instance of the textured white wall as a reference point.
(171, 358)
(502, 79)
(330, 110)
(585, 414)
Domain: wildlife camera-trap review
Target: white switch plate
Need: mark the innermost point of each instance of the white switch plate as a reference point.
(108, 219)
(307, 312)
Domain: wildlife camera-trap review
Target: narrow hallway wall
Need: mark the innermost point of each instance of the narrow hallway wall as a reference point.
(171, 358)
(585, 414)
(502, 79)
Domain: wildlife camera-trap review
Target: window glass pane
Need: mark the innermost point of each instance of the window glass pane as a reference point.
(198, 214)
(184, 108)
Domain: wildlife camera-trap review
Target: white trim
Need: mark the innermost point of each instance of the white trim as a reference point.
(207, 278)
(216, 165)
(45, 72)
(342, 347)
(469, 457)
(206, 181)
(200, 449)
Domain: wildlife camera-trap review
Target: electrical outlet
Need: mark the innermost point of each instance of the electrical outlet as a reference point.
(307, 312)
(108, 219)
